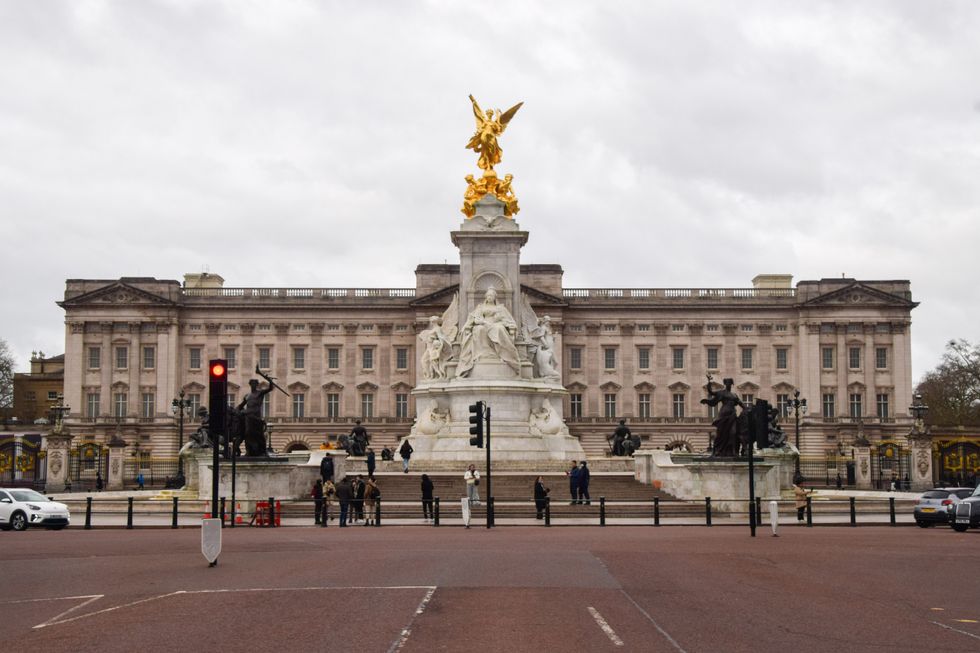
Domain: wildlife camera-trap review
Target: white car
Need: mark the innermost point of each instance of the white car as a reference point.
(20, 508)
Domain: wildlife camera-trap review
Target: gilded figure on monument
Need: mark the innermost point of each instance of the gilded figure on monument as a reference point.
(489, 126)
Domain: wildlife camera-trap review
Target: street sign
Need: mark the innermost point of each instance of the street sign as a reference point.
(211, 540)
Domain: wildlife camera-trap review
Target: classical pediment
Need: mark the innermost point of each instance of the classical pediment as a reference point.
(859, 294)
(610, 386)
(401, 386)
(678, 386)
(118, 293)
(576, 387)
(538, 296)
(644, 386)
(367, 386)
(194, 387)
(783, 388)
(333, 386)
(298, 386)
(438, 298)
(747, 388)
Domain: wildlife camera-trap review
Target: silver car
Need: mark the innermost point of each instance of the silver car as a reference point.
(933, 506)
(20, 508)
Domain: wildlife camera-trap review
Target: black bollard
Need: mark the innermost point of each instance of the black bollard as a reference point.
(853, 513)
(656, 511)
(490, 515)
(547, 511)
(221, 511)
(758, 511)
(707, 511)
(891, 510)
(377, 512)
(272, 512)
(129, 513)
(602, 511)
(88, 513)
(809, 511)
(435, 512)
(173, 518)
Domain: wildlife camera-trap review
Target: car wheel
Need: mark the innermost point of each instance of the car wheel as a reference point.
(960, 528)
(922, 524)
(18, 521)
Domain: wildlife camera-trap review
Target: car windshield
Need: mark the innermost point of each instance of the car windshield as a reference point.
(935, 494)
(27, 495)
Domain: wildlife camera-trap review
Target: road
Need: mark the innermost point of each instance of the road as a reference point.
(515, 589)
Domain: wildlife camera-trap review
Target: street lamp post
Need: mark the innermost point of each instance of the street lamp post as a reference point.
(798, 406)
(179, 407)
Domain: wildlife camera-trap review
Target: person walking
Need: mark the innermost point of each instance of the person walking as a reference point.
(370, 462)
(317, 495)
(572, 475)
(540, 497)
(139, 481)
(583, 484)
(358, 502)
(427, 488)
(345, 494)
(472, 479)
(371, 495)
(801, 494)
(329, 493)
(406, 452)
(326, 468)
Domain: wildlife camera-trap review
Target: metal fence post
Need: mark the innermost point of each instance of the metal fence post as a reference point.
(758, 510)
(490, 514)
(173, 519)
(129, 513)
(435, 512)
(891, 510)
(88, 513)
(547, 511)
(602, 511)
(809, 511)
(656, 511)
(272, 512)
(377, 512)
(707, 511)
(221, 511)
(853, 513)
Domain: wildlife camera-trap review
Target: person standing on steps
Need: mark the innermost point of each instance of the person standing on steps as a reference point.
(801, 494)
(572, 475)
(583, 484)
(406, 452)
(344, 496)
(317, 495)
(326, 468)
(427, 489)
(472, 479)
(370, 462)
(540, 497)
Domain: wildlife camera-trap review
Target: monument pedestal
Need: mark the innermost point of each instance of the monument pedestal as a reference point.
(726, 481)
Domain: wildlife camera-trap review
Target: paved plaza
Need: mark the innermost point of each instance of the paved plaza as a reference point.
(508, 589)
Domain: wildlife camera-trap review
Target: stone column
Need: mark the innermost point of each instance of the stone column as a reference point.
(117, 450)
(58, 447)
(862, 467)
(921, 472)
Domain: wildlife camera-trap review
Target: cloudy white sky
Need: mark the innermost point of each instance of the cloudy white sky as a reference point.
(661, 144)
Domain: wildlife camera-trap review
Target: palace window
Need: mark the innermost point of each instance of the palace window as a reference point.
(678, 405)
(643, 404)
(94, 358)
(231, 357)
(148, 405)
(677, 357)
(333, 358)
(266, 405)
(712, 358)
(609, 356)
(299, 405)
(881, 358)
(333, 405)
(575, 404)
(149, 358)
(747, 358)
(643, 358)
(854, 358)
(855, 405)
(609, 401)
(122, 358)
(265, 358)
(712, 412)
(575, 358)
(367, 358)
(748, 399)
(195, 403)
(827, 358)
(194, 358)
(367, 405)
(401, 404)
(119, 403)
(92, 404)
(829, 404)
(401, 358)
(782, 358)
(882, 404)
(782, 404)
(299, 358)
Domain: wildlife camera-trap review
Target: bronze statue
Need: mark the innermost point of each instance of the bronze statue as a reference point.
(726, 441)
(251, 406)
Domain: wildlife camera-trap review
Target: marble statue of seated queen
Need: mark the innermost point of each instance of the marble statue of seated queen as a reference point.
(488, 335)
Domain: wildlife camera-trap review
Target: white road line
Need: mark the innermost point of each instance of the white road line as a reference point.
(54, 598)
(52, 622)
(606, 628)
(957, 630)
(407, 630)
(663, 632)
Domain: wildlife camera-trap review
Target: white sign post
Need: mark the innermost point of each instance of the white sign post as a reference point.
(211, 540)
(774, 517)
(466, 511)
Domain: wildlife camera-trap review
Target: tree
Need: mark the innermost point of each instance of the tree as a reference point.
(6, 376)
(952, 390)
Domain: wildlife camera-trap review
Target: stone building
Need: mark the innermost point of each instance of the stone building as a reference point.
(636, 353)
(37, 391)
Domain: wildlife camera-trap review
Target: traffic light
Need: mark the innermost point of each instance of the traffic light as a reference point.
(217, 398)
(476, 419)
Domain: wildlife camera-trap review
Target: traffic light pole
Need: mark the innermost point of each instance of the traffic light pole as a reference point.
(489, 487)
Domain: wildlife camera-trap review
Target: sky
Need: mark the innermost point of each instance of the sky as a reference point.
(321, 144)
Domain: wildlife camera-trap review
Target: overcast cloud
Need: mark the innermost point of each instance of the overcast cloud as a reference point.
(321, 144)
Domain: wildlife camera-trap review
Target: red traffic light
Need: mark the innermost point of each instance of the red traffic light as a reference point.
(217, 369)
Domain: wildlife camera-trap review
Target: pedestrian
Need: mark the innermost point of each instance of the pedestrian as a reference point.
(540, 497)
(840, 483)
(329, 494)
(371, 495)
(345, 494)
(801, 494)
(894, 482)
(139, 481)
(98, 481)
(427, 487)
(358, 502)
(406, 452)
(326, 468)
(472, 479)
(370, 462)
(583, 484)
(572, 475)
(317, 494)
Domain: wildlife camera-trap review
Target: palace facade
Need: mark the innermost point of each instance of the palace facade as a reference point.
(640, 354)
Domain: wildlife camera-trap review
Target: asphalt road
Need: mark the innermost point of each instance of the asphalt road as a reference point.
(451, 589)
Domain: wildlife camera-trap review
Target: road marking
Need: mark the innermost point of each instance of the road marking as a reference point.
(407, 630)
(957, 630)
(663, 632)
(606, 628)
(966, 621)
(937, 609)
(91, 599)
(94, 597)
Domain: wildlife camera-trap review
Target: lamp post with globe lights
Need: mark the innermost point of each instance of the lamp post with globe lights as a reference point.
(180, 407)
(798, 406)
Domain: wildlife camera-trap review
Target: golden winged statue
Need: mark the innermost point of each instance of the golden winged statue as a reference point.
(490, 125)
